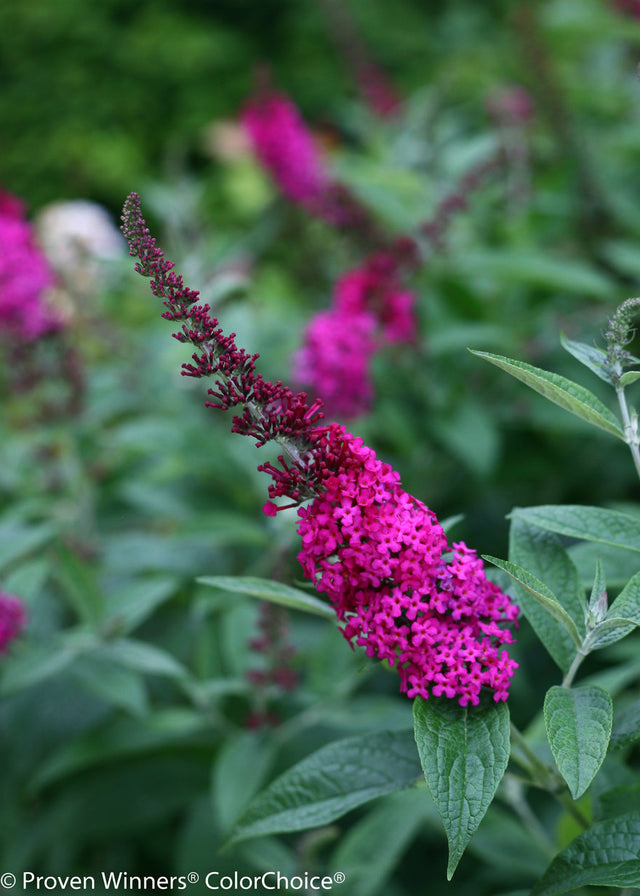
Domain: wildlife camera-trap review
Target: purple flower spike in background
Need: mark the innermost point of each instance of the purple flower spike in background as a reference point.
(25, 277)
(13, 618)
(285, 147)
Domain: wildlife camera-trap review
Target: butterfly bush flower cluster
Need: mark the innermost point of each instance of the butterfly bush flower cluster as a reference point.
(25, 277)
(379, 554)
(13, 618)
(370, 308)
(401, 591)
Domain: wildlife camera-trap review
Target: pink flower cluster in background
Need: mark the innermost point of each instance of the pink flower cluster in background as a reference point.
(380, 556)
(629, 7)
(25, 276)
(13, 618)
(370, 308)
(286, 148)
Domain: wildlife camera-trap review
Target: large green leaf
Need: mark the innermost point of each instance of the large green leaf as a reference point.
(588, 523)
(578, 722)
(328, 783)
(607, 855)
(276, 592)
(543, 555)
(561, 391)
(464, 753)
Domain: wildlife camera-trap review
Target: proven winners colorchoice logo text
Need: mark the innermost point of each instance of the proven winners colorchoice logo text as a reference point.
(122, 881)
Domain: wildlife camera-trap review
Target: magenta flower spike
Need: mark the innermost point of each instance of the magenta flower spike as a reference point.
(379, 554)
(13, 618)
(285, 147)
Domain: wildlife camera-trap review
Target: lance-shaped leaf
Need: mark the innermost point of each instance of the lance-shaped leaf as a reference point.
(592, 357)
(276, 592)
(607, 855)
(578, 722)
(464, 753)
(330, 782)
(541, 593)
(588, 523)
(542, 554)
(622, 618)
(561, 391)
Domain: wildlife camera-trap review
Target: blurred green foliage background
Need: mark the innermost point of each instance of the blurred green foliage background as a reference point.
(124, 709)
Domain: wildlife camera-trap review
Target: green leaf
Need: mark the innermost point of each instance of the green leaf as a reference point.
(622, 618)
(592, 357)
(629, 377)
(539, 591)
(627, 603)
(328, 783)
(537, 268)
(19, 539)
(619, 800)
(610, 527)
(119, 737)
(276, 592)
(117, 685)
(80, 585)
(561, 391)
(133, 602)
(578, 722)
(619, 563)
(598, 595)
(30, 664)
(626, 726)
(464, 753)
(238, 772)
(143, 657)
(405, 814)
(607, 855)
(543, 555)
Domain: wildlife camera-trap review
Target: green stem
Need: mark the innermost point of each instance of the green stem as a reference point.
(544, 777)
(569, 806)
(536, 768)
(575, 665)
(630, 428)
(513, 793)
